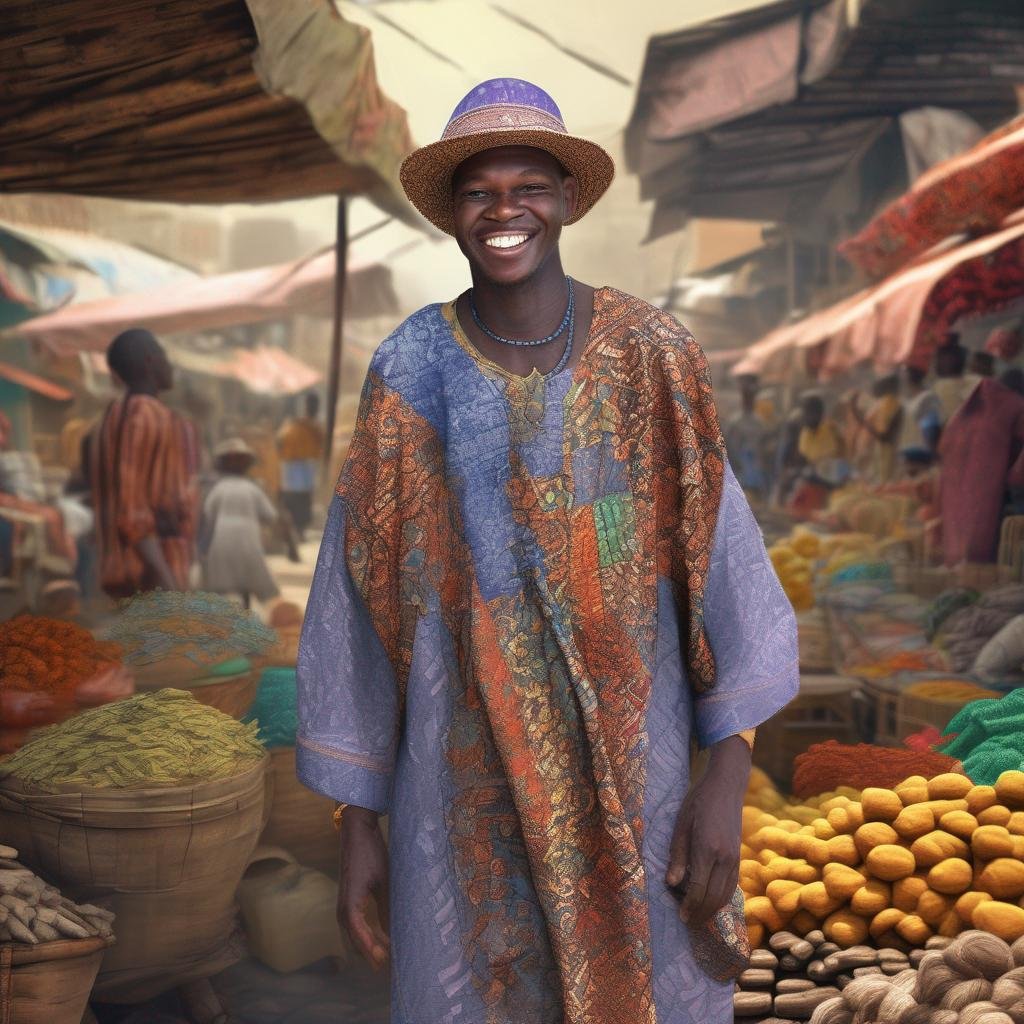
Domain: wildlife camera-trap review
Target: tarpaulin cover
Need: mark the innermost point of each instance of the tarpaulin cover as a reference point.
(902, 319)
(974, 191)
(209, 303)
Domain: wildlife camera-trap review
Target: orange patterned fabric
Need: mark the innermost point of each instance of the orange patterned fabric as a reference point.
(149, 490)
(548, 589)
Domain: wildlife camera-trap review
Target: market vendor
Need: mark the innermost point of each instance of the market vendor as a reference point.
(820, 445)
(300, 447)
(982, 457)
(142, 474)
(539, 578)
(882, 421)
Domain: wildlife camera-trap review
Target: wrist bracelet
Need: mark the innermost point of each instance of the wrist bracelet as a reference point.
(339, 810)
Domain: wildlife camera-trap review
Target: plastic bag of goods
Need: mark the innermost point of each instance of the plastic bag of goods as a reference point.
(151, 808)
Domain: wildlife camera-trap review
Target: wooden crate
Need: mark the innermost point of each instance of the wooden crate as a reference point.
(823, 710)
(917, 713)
(882, 707)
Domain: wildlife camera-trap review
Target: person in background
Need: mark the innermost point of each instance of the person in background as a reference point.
(81, 421)
(951, 386)
(821, 447)
(980, 365)
(300, 446)
(982, 456)
(788, 463)
(234, 513)
(922, 412)
(141, 473)
(882, 422)
(745, 442)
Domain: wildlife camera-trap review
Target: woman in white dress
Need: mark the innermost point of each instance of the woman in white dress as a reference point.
(234, 513)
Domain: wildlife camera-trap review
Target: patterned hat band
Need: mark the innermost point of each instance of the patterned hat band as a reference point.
(499, 113)
(502, 117)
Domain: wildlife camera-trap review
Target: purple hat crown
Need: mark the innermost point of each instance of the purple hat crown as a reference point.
(504, 103)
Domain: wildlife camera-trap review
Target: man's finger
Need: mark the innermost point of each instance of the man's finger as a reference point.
(359, 931)
(719, 891)
(679, 853)
(696, 890)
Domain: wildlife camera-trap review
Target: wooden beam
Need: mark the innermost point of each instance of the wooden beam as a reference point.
(334, 367)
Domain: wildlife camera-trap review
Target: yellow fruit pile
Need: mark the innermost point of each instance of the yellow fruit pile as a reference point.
(794, 572)
(932, 856)
(804, 553)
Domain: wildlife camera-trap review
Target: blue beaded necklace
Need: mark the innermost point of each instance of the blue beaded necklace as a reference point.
(516, 342)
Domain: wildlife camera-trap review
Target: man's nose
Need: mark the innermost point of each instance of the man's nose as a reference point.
(504, 207)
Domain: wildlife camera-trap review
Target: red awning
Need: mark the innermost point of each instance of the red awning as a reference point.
(901, 320)
(974, 191)
(40, 385)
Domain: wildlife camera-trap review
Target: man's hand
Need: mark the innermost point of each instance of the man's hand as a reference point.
(706, 842)
(363, 885)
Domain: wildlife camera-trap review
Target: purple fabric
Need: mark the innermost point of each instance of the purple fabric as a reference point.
(355, 747)
(506, 90)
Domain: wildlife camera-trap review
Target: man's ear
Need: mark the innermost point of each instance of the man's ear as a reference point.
(570, 195)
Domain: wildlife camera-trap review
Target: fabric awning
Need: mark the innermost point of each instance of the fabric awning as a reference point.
(33, 382)
(220, 101)
(974, 191)
(770, 113)
(901, 320)
(211, 303)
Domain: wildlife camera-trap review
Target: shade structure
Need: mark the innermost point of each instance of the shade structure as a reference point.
(903, 319)
(972, 192)
(194, 102)
(34, 382)
(213, 303)
(792, 107)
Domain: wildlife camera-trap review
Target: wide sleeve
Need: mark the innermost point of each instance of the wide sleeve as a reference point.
(750, 625)
(349, 708)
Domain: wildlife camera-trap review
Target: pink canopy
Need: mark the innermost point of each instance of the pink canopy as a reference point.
(973, 191)
(902, 319)
(211, 303)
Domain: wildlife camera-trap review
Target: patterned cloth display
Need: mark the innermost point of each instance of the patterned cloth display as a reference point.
(532, 591)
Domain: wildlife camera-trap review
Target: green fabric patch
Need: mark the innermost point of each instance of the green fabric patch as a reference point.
(613, 518)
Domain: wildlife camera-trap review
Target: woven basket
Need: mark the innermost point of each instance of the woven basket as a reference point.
(232, 694)
(300, 820)
(165, 860)
(49, 983)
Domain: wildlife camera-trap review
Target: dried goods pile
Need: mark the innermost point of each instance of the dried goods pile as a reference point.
(48, 667)
(195, 628)
(829, 765)
(889, 866)
(795, 975)
(154, 738)
(32, 911)
(976, 979)
(989, 737)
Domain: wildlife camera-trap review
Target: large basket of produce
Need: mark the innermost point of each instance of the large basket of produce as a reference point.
(150, 808)
(172, 638)
(50, 948)
(231, 693)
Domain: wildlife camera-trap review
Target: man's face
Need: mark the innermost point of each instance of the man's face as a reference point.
(509, 206)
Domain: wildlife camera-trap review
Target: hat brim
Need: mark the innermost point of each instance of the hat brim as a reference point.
(427, 172)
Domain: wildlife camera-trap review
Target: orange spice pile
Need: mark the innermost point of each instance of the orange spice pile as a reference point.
(38, 654)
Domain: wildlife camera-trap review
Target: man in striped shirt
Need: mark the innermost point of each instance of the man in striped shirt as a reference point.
(143, 481)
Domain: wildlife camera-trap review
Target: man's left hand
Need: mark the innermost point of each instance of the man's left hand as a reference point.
(706, 842)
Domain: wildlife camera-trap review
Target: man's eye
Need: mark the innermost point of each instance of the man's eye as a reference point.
(475, 193)
(534, 188)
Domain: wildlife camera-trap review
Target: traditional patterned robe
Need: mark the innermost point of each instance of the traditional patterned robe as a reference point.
(531, 592)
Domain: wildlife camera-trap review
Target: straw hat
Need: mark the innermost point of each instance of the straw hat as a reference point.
(502, 112)
(233, 446)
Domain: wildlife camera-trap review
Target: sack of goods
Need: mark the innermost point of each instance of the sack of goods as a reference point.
(51, 945)
(152, 807)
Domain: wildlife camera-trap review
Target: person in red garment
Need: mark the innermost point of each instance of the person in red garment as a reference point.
(982, 454)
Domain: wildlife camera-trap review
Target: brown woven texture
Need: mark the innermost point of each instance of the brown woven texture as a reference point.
(48, 983)
(300, 820)
(166, 861)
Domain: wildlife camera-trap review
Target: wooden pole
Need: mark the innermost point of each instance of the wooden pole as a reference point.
(334, 366)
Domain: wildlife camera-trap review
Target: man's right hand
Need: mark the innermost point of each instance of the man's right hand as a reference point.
(363, 885)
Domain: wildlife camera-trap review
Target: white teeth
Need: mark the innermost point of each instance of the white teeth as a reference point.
(505, 241)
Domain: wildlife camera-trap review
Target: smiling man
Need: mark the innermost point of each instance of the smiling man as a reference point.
(539, 580)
